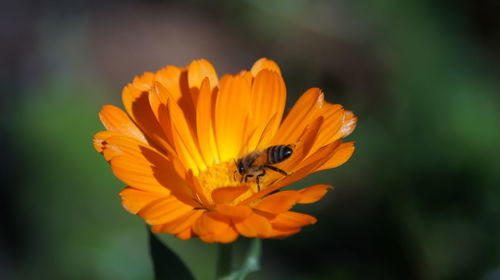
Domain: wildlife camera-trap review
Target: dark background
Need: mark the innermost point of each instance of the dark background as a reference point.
(420, 198)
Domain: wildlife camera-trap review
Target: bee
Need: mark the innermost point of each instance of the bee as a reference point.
(255, 163)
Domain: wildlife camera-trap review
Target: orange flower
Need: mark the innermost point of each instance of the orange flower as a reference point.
(185, 130)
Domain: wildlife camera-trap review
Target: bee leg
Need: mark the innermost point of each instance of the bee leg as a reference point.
(248, 176)
(258, 178)
(274, 168)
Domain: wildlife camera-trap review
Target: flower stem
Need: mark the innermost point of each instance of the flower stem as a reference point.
(224, 258)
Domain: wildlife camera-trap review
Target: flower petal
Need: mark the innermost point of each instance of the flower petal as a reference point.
(170, 78)
(228, 236)
(228, 194)
(264, 63)
(164, 210)
(134, 199)
(185, 234)
(292, 220)
(302, 114)
(231, 111)
(329, 131)
(281, 233)
(341, 155)
(349, 123)
(184, 140)
(278, 202)
(99, 140)
(200, 69)
(253, 226)
(267, 103)
(205, 123)
(114, 119)
(210, 225)
(158, 99)
(234, 212)
(144, 168)
(180, 224)
(136, 102)
(313, 193)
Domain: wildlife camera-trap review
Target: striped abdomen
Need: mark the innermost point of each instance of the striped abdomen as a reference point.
(277, 154)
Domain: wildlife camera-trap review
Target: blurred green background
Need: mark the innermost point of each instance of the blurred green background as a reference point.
(420, 198)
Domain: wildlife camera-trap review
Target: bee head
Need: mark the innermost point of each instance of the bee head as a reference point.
(241, 167)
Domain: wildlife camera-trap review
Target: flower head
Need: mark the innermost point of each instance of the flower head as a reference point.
(181, 145)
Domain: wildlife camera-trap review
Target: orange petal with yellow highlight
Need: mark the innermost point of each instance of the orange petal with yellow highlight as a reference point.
(231, 111)
(267, 103)
(205, 124)
(184, 140)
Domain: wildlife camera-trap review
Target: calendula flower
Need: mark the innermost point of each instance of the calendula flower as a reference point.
(181, 146)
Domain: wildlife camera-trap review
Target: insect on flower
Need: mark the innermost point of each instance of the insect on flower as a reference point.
(210, 158)
(255, 163)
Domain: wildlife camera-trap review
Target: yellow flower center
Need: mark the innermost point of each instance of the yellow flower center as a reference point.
(222, 176)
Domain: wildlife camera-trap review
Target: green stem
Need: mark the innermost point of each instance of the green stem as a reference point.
(224, 266)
